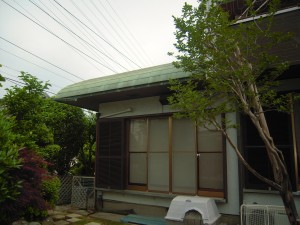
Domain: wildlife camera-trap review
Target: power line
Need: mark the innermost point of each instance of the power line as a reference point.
(94, 32)
(100, 21)
(40, 57)
(18, 71)
(60, 38)
(19, 83)
(107, 20)
(37, 65)
(25, 10)
(82, 33)
(78, 36)
(73, 36)
(132, 36)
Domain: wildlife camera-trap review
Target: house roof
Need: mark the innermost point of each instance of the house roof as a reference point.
(153, 81)
(134, 84)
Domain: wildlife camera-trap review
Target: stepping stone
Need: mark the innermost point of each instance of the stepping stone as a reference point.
(73, 220)
(73, 215)
(61, 222)
(58, 217)
(82, 212)
(93, 223)
(53, 212)
(34, 223)
(48, 221)
(20, 222)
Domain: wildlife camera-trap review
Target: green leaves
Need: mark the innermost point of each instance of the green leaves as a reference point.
(1, 78)
(230, 62)
(9, 161)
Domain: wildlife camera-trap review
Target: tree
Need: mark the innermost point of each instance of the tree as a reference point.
(1, 78)
(86, 158)
(227, 61)
(53, 130)
(9, 161)
(25, 104)
(68, 126)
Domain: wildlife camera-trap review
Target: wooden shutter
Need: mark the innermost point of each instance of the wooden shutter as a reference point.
(110, 154)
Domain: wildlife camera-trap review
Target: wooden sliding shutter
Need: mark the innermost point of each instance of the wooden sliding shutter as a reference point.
(110, 154)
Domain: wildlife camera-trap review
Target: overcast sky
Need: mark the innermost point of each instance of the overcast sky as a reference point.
(66, 41)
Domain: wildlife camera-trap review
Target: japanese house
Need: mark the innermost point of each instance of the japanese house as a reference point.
(145, 157)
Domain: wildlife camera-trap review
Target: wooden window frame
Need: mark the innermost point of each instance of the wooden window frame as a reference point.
(201, 192)
(209, 192)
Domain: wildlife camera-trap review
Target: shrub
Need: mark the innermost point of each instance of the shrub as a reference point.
(50, 189)
(32, 174)
(30, 203)
(10, 188)
(9, 161)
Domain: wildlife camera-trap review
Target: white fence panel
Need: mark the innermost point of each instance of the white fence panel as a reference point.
(82, 192)
(263, 215)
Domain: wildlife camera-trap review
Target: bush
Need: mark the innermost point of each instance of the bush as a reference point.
(32, 174)
(50, 190)
(9, 160)
(30, 203)
(10, 188)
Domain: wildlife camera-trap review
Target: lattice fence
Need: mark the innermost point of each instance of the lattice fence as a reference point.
(65, 192)
(83, 192)
(263, 215)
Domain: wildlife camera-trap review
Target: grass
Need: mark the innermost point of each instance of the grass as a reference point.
(89, 219)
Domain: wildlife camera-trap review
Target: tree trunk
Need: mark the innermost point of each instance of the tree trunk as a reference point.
(281, 176)
(290, 208)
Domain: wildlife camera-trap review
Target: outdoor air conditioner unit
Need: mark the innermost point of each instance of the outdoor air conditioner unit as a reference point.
(186, 208)
(263, 215)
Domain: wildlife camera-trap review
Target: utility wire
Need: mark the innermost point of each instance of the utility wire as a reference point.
(40, 58)
(103, 24)
(27, 12)
(77, 35)
(107, 21)
(37, 65)
(13, 81)
(84, 46)
(94, 32)
(118, 34)
(132, 36)
(83, 32)
(19, 83)
(60, 38)
(18, 71)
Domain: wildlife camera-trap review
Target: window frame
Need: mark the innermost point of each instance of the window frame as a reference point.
(219, 193)
(291, 147)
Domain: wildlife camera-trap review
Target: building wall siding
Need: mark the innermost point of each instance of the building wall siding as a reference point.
(151, 105)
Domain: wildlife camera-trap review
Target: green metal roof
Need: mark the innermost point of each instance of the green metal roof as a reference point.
(134, 82)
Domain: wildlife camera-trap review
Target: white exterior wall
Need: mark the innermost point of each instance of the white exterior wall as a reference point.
(233, 203)
(152, 105)
(142, 106)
